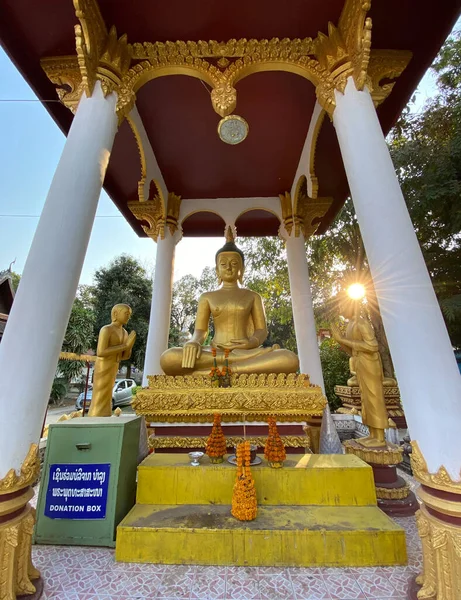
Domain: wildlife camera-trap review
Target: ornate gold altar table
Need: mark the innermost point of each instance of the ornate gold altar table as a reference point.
(193, 399)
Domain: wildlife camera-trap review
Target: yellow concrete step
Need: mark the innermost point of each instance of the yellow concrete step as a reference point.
(296, 536)
(305, 479)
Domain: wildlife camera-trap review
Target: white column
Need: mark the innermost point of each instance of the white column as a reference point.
(303, 310)
(423, 357)
(37, 323)
(160, 312)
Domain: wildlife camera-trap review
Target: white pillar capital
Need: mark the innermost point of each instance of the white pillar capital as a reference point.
(423, 356)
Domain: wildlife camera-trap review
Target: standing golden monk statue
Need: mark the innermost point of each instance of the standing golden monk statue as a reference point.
(365, 363)
(114, 345)
(239, 326)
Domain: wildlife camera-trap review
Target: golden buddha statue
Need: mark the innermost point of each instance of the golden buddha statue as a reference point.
(365, 365)
(114, 345)
(239, 325)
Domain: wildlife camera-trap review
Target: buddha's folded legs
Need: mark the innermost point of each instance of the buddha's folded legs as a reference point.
(276, 361)
(258, 360)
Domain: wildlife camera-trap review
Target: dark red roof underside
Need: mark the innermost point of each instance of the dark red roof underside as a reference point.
(177, 110)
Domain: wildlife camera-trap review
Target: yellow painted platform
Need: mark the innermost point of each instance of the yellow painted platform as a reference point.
(280, 536)
(319, 510)
(306, 479)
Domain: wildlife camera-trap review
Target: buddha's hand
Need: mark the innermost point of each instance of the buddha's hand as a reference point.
(190, 353)
(131, 339)
(244, 343)
(335, 332)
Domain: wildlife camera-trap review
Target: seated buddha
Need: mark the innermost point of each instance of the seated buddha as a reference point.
(239, 327)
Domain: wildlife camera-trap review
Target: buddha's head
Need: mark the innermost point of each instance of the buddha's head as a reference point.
(348, 308)
(121, 313)
(230, 262)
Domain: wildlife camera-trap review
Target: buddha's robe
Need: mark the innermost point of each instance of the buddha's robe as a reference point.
(105, 370)
(366, 364)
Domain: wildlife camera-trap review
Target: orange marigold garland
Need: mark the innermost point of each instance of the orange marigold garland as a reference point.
(274, 451)
(216, 443)
(244, 505)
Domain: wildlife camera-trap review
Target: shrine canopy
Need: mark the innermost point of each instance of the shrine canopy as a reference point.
(269, 65)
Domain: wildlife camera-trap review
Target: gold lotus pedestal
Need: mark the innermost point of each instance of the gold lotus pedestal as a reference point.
(394, 495)
(250, 399)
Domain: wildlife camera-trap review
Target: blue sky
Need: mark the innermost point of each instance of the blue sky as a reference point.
(30, 147)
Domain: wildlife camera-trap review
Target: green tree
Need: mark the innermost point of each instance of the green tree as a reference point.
(426, 150)
(186, 293)
(78, 339)
(266, 272)
(125, 281)
(338, 259)
(15, 279)
(335, 368)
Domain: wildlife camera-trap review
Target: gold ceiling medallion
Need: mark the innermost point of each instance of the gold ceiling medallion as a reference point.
(326, 61)
(233, 129)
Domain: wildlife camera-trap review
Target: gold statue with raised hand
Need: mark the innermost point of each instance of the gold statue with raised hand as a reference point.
(239, 325)
(114, 345)
(365, 363)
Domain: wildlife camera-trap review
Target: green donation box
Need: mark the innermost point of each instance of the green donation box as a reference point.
(89, 480)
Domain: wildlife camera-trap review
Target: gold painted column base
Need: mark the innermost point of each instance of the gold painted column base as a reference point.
(17, 519)
(441, 577)
(439, 527)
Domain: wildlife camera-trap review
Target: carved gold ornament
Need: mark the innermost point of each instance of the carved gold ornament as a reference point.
(73, 356)
(400, 493)
(289, 441)
(352, 401)
(389, 455)
(304, 216)
(441, 542)
(440, 480)
(326, 61)
(17, 520)
(251, 398)
(152, 214)
(28, 474)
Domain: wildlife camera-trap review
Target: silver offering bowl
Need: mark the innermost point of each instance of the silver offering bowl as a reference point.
(195, 458)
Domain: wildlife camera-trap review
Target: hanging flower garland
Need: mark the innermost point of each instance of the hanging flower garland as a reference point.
(274, 451)
(216, 443)
(244, 504)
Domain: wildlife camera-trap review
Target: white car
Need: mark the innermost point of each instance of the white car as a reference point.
(121, 394)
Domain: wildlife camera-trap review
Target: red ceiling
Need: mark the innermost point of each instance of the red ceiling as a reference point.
(177, 110)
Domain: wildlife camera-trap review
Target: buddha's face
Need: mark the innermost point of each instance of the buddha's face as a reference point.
(122, 314)
(346, 308)
(229, 267)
